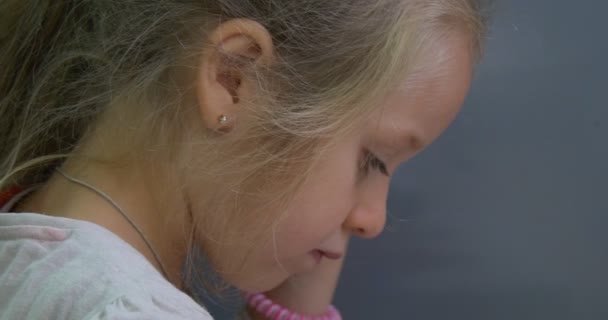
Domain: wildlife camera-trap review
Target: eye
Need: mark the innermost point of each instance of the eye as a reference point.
(371, 161)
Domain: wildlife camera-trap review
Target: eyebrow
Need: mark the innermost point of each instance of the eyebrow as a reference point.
(408, 140)
(415, 142)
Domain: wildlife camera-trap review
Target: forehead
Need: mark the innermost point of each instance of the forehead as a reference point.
(423, 105)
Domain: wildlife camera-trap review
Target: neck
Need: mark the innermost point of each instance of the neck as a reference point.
(131, 189)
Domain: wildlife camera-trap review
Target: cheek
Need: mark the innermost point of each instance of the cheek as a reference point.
(324, 201)
(309, 224)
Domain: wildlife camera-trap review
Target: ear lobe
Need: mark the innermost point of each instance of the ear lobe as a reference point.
(216, 92)
(222, 81)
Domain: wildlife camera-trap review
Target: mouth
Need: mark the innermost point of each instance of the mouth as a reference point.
(319, 254)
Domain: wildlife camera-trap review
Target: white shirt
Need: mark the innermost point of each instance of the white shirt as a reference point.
(59, 268)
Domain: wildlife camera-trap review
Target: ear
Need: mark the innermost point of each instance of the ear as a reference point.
(222, 84)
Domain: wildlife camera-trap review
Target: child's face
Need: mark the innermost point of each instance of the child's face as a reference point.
(339, 199)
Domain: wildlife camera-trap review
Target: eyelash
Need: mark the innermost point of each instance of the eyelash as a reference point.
(371, 161)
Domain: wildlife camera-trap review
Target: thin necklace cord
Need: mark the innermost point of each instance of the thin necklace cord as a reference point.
(121, 211)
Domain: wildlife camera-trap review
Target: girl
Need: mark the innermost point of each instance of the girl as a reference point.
(260, 134)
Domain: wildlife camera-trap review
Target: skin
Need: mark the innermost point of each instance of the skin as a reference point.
(337, 201)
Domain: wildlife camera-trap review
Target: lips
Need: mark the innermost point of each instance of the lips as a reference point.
(328, 254)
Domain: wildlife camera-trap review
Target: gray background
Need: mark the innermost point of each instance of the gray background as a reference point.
(504, 216)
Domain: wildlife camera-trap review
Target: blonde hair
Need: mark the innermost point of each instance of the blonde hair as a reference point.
(68, 64)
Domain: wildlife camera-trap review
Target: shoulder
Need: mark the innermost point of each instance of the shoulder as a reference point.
(55, 268)
(148, 308)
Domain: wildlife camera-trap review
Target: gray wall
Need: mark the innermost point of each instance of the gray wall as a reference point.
(505, 216)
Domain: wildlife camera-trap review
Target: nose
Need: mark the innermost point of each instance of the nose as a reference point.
(367, 218)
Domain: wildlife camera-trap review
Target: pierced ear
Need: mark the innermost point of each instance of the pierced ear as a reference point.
(222, 84)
